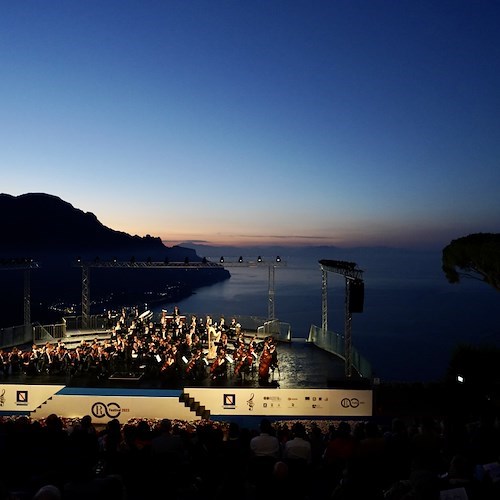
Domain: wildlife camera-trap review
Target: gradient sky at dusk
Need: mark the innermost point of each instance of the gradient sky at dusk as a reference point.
(339, 122)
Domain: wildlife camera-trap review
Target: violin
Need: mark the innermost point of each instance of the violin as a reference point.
(193, 361)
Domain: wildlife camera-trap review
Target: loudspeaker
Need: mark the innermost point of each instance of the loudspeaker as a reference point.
(356, 296)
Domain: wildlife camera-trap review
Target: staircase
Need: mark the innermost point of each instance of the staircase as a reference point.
(194, 406)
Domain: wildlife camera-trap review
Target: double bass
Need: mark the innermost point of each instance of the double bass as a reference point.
(267, 360)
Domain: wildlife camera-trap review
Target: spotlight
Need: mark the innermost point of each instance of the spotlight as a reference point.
(259, 259)
(460, 379)
(114, 260)
(278, 259)
(240, 260)
(79, 260)
(221, 260)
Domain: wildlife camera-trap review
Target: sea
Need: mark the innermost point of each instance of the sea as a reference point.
(412, 318)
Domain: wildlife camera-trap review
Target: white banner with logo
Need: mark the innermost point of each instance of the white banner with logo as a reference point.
(104, 408)
(25, 398)
(284, 402)
(39, 401)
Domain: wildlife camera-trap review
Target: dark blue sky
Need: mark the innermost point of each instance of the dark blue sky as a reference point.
(294, 122)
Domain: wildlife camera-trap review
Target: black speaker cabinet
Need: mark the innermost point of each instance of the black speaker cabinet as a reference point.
(356, 296)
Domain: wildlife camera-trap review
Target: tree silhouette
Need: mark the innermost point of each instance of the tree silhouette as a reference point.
(475, 256)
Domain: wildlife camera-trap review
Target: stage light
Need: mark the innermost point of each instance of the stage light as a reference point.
(221, 260)
(460, 379)
(259, 259)
(240, 260)
(278, 259)
(115, 260)
(132, 260)
(204, 260)
(79, 260)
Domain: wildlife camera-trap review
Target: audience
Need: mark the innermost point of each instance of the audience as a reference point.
(71, 459)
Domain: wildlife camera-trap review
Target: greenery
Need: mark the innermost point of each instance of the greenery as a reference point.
(476, 256)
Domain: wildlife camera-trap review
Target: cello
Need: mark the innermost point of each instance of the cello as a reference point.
(218, 367)
(267, 359)
(246, 360)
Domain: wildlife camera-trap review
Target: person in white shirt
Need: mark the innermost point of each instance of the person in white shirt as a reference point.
(266, 444)
(298, 448)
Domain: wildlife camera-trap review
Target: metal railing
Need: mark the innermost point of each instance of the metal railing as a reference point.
(48, 333)
(334, 343)
(97, 322)
(15, 335)
(280, 331)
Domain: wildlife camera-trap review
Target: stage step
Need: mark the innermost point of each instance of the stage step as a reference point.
(194, 406)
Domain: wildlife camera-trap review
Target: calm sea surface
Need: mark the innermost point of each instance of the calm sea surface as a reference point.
(412, 316)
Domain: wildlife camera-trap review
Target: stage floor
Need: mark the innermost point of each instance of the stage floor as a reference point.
(301, 365)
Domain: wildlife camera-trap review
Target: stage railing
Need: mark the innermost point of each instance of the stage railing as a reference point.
(280, 331)
(334, 343)
(97, 322)
(15, 335)
(48, 333)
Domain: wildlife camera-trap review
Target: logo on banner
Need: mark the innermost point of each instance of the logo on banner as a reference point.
(250, 402)
(2, 398)
(22, 398)
(229, 401)
(350, 403)
(110, 410)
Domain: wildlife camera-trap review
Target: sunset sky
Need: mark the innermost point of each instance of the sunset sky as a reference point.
(343, 122)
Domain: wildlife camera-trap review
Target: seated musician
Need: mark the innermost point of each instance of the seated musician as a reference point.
(268, 360)
(218, 369)
(196, 367)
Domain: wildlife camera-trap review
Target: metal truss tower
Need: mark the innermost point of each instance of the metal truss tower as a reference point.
(133, 264)
(26, 265)
(350, 272)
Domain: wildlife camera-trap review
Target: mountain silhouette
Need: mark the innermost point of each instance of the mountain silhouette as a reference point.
(38, 224)
(52, 232)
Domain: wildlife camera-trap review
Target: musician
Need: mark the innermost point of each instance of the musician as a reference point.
(48, 358)
(223, 343)
(268, 360)
(222, 327)
(77, 360)
(15, 356)
(218, 369)
(197, 344)
(168, 370)
(213, 339)
(5, 363)
(234, 328)
(176, 312)
(196, 368)
(245, 357)
(34, 360)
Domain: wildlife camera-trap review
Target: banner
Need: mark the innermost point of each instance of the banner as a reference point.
(284, 402)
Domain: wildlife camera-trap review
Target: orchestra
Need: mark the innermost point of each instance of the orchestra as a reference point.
(174, 349)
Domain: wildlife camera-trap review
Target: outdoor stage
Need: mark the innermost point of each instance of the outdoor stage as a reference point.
(310, 383)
